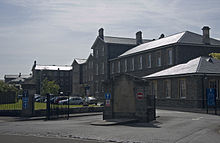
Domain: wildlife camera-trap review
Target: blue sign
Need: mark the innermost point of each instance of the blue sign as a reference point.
(25, 99)
(211, 96)
(107, 96)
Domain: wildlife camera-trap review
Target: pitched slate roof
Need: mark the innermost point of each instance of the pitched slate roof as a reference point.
(53, 67)
(200, 65)
(122, 40)
(182, 38)
(16, 76)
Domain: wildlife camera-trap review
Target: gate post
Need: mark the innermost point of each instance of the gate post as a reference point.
(48, 107)
(28, 99)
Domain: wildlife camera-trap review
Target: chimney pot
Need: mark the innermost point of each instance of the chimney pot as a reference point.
(205, 36)
(101, 33)
(139, 39)
(161, 36)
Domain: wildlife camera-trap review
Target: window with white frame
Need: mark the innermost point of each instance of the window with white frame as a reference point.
(113, 68)
(126, 65)
(132, 64)
(158, 55)
(140, 65)
(154, 88)
(97, 53)
(119, 66)
(91, 77)
(103, 50)
(103, 68)
(97, 87)
(182, 88)
(148, 60)
(170, 57)
(214, 84)
(97, 69)
(167, 88)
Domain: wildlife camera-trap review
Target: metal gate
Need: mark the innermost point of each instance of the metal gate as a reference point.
(55, 109)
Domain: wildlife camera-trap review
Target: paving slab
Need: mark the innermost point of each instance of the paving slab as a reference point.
(111, 122)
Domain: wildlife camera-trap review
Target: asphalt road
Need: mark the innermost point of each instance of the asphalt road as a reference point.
(32, 139)
(170, 127)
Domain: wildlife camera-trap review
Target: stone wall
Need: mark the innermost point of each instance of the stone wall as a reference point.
(124, 100)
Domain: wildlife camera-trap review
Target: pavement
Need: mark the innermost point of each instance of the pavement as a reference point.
(170, 127)
(14, 119)
(35, 139)
(111, 122)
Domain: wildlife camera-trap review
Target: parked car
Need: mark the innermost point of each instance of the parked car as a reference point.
(59, 98)
(90, 100)
(36, 96)
(72, 101)
(41, 99)
(100, 103)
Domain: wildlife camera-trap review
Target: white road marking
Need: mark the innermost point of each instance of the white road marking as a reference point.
(196, 119)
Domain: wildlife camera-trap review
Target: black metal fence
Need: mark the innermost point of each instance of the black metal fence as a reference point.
(10, 104)
(55, 109)
(190, 105)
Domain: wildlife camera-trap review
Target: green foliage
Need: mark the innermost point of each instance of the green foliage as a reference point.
(215, 55)
(4, 88)
(49, 87)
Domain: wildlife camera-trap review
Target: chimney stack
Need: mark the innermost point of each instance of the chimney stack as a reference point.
(101, 33)
(139, 39)
(205, 36)
(161, 36)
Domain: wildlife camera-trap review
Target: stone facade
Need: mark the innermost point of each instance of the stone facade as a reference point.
(62, 75)
(112, 57)
(194, 88)
(96, 70)
(124, 102)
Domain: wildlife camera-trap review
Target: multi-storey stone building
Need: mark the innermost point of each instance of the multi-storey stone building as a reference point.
(163, 53)
(62, 75)
(114, 55)
(96, 69)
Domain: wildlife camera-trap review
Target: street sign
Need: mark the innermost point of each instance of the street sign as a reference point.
(211, 96)
(107, 96)
(140, 95)
(107, 103)
(25, 99)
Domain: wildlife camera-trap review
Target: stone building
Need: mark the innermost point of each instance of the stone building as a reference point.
(96, 69)
(185, 85)
(163, 53)
(113, 56)
(78, 76)
(62, 75)
(15, 78)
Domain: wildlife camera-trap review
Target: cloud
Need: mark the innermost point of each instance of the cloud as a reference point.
(55, 31)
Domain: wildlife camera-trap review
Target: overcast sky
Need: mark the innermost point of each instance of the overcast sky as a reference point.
(57, 31)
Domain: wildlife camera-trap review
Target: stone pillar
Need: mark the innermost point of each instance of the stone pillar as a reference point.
(28, 100)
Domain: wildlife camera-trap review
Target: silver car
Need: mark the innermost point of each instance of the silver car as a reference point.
(72, 101)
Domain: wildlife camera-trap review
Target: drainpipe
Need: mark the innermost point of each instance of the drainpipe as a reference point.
(203, 90)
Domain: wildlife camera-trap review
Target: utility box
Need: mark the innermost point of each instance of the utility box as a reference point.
(127, 97)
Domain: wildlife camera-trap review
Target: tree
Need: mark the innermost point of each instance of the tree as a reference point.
(4, 88)
(49, 87)
(215, 55)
